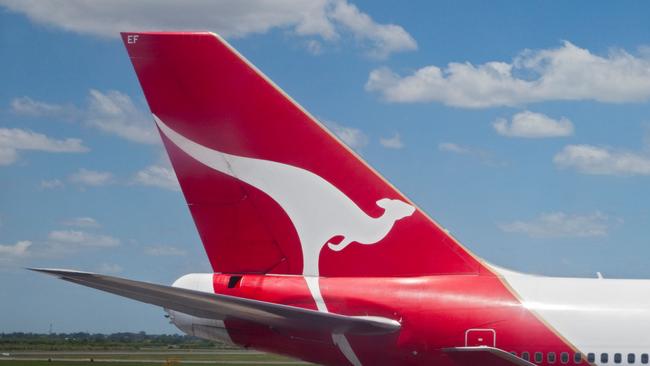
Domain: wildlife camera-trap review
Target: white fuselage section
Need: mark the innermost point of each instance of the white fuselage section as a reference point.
(596, 315)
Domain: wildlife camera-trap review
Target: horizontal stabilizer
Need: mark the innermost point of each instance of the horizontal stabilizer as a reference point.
(484, 356)
(220, 307)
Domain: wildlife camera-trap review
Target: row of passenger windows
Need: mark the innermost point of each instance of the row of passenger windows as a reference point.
(551, 357)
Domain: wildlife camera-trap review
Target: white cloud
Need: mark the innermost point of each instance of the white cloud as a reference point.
(563, 225)
(27, 106)
(603, 161)
(454, 148)
(157, 176)
(51, 184)
(164, 250)
(353, 137)
(114, 112)
(20, 249)
(8, 156)
(384, 38)
(314, 47)
(12, 255)
(14, 139)
(394, 142)
(483, 156)
(82, 222)
(18, 139)
(109, 268)
(82, 239)
(533, 125)
(94, 178)
(59, 244)
(230, 19)
(564, 73)
(327, 19)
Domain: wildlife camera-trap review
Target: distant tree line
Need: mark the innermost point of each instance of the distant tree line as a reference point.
(97, 341)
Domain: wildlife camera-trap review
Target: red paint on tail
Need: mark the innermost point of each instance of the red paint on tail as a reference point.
(205, 91)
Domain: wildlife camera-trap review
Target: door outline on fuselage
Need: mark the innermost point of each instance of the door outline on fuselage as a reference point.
(494, 336)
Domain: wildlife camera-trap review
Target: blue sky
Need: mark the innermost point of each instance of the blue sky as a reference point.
(523, 128)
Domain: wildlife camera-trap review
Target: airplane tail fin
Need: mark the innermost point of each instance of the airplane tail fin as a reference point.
(270, 189)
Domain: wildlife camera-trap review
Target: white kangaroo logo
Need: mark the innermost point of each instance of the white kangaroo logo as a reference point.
(318, 210)
(374, 229)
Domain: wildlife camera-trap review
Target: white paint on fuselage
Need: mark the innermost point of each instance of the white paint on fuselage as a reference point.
(196, 281)
(595, 315)
(212, 329)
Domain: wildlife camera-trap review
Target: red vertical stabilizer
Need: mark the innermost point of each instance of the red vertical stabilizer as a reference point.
(270, 189)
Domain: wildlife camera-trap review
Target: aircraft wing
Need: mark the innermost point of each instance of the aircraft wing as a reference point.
(484, 356)
(217, 306)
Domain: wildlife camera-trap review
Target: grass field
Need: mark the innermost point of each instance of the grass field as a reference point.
(126, 349)
(140, 358)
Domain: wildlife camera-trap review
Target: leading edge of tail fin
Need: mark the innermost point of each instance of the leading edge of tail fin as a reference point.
(270, 189)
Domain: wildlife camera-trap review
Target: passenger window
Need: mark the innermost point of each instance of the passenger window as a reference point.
(577, 357)
(525, 356)
(564, 357)
(550, 357)
(604, 357)
(538, 357)
(644, 358)
(591, 357)
(618, 358)
(630, 358)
